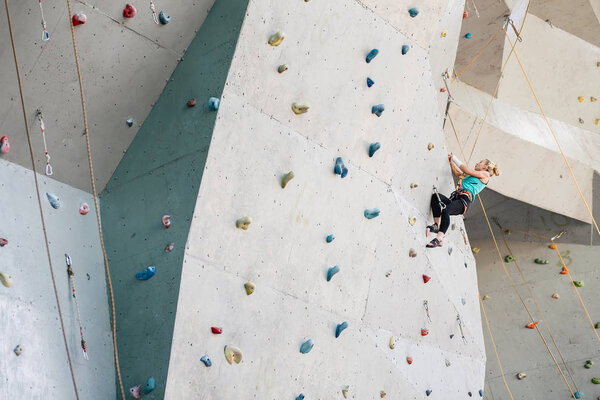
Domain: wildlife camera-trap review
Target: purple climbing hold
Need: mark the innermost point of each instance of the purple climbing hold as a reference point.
(405, 49)
(378, 109)
(370, 82)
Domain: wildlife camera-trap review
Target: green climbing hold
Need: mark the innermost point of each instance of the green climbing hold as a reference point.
(578, 283)
(596, 381)
(509, 258)
(588, 364)
(541, 261)
(597, 326)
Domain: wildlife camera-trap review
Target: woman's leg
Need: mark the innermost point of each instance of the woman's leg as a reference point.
(456, 207)
(436, 209)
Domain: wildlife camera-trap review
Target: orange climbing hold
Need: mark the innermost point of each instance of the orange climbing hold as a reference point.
(552, 246)
(532, 325)
(564, 271)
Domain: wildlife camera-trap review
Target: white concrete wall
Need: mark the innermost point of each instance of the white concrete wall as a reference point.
(28, 308)
(256, 140)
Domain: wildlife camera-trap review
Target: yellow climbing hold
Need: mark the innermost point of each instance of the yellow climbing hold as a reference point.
(597, 122)
(243, 223)
(392, 343)
(444, 33)
(430, 146)
(412, 220)
(475, 250)
(233, 354)
(286, 178)
(276, 38)
(593, 99)
(486, 297)
(249, 286)
(300, 108)
(581, 99)
(5, 279)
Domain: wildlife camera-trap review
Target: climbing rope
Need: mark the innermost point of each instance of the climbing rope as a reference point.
(97, 208)
(45, 34)
(40, 117)
(154, 16)
(538, 308)
(72, 282)
(37, 191)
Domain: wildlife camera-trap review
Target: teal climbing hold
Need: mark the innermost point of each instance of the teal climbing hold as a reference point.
(340, 168)
(578, 395)
(330, 238)
(340, 328)
(405, 49)
(372, 213)
(468, 35)
(332, 271)
(213, 104)
(54, 201)
(413, 12)
(150, 385)
(306, 346)
(480, 392)
(206, 360)
(373, 148)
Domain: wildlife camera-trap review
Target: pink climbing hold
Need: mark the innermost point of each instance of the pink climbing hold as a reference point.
(79, 19)
(129, 11)
(166, 221)
(4, 145)
(424, 332)
(169, 247)
(426, 278)
(3, 242)
(84, 209)
(409, 360)
(135, 391)
(216, 330)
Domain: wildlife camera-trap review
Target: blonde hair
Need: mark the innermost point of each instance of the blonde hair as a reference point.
(492, 168)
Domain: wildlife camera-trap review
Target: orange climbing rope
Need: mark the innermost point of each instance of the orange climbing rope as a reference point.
(95, 195)
(37, 192)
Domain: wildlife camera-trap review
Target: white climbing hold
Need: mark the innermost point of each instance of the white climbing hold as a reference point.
(233, 354)
(5, 279)
(521, 376)
(392, 343)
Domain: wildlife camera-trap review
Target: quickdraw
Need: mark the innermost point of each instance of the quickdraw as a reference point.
(445, 77)
(154, 16)
(426, 306)
(40, 117)
(45, 34)
(72, 282)
(460, 325)
(442, 205)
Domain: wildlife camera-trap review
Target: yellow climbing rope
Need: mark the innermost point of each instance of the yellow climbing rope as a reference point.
(95, 195)
(37, 192)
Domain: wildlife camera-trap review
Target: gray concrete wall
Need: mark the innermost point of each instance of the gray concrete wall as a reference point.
(257, 139)
(29, 310)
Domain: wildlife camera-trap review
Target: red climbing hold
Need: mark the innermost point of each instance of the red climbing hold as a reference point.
(409, 360)
(465, 15)
(79, 19)
(84, 208)
(129, 11)
(443, 90)
(166, 221)
(564, 271)
(191, 103)
(424, 332)
(4, 145)
(532, 325)
(215, 330)
(426, 278)
(3, 242)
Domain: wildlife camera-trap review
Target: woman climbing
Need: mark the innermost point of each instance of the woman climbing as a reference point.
(459, 201)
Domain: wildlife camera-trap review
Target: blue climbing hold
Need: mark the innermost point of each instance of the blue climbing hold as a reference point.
(213, 104)
(373, 148)
(206, 360)
(150, 385)
(54, 201)
(164, 19)
(300, 397)
(405, 49)
(340, 168)
(372, 54)
(378, 109)
(480, 392)
(413, 12)
(339, 329)
(468, 35)
(330, 238)
(332, 271)
(372, 213)
(578, 395)
(428, 392)
(370, 82)
(146, 274)
(306, 346)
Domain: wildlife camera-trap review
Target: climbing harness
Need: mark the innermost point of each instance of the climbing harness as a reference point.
(460, 325)
(426, 306)
(40, 117)
(72, 282)
(154, 16)
(441, 203)
(45, 34)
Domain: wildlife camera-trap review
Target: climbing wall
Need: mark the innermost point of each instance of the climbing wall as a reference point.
(30, 318)
(380, 291)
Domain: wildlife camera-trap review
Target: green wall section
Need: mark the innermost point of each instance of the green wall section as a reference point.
(161, 174)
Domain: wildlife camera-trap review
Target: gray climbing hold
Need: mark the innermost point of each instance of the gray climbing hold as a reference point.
(306, 346)
(378, 109)
(330, 238)
(405, 49)
(371, 213)
(373, 148)
(332, 271)
(213, 104)
(413, 12)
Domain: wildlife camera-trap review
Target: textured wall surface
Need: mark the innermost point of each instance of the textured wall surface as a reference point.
(29, 311)
(256, 139)
(160, 174)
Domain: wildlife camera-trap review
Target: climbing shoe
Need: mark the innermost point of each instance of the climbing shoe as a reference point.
(434, 243)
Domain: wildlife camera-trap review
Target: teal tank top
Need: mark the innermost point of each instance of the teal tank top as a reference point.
(473, 185)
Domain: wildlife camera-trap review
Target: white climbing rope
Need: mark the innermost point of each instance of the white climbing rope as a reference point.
(154, 16)
(72, 282)
(45, 34)
(426, 306)
(49, 170)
